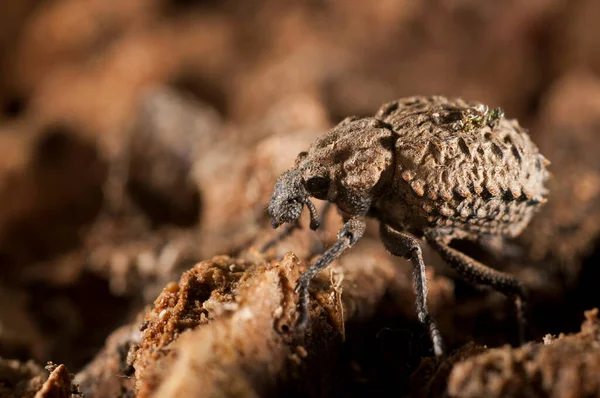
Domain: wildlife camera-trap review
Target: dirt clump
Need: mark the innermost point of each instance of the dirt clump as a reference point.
(562, 366)
(227, 327)
(29, 380)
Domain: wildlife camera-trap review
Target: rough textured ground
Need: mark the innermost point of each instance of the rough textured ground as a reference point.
(227, 327)
(563, 366)
(27, 379)
(139, 146)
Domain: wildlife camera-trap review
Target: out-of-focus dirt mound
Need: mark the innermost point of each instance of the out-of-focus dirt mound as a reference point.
(20, 379)
(565, 366)
(566, 229)
(29, 380)
(109, 374)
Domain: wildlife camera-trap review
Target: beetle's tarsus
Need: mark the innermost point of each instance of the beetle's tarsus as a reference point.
(521, 318)
(303, 312)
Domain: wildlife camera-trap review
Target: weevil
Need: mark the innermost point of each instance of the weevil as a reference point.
(429, 168)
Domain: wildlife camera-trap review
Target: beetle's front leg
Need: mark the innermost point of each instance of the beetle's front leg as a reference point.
(348, 235)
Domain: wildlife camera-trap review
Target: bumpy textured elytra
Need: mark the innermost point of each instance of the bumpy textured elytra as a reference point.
(425, 167)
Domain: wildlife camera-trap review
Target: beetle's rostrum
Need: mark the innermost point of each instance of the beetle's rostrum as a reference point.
(288, 200)
(425, 167)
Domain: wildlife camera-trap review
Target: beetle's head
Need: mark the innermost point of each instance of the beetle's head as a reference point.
(288, 199)
(293, 189)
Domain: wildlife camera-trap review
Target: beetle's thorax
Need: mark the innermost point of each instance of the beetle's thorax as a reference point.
(357, 156)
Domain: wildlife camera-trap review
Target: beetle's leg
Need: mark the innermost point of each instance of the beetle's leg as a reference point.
(477, 273)
(403, 245)
(348, 235)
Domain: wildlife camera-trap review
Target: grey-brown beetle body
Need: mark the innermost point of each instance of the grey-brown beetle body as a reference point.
(433, 167)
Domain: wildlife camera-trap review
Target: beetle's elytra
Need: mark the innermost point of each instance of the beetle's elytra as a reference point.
(427, 167)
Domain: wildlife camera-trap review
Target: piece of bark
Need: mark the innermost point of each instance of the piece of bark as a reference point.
(566, 366)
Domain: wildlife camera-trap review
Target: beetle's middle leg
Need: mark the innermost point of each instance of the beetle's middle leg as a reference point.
(348, 235)
(477, 273)
(404, 245)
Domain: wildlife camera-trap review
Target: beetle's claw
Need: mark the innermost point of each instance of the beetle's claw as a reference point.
(302, 309)
(314, 224)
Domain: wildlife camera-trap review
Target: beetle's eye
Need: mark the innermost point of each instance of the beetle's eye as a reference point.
(317, 184)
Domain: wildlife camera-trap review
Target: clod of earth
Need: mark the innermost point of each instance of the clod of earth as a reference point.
(29, 380)
(227, 326)
(563, 366)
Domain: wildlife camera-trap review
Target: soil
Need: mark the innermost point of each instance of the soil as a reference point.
(139, 146)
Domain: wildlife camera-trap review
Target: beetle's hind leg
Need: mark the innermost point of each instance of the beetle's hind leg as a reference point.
(404, 245)
(477, 273)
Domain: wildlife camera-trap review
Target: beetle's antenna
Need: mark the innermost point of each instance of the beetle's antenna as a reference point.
(314, 216)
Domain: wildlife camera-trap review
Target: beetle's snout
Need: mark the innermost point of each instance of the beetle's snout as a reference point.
(287, 200)
(284, 212)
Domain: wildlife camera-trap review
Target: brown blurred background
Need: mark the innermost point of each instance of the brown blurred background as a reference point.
(138, 137)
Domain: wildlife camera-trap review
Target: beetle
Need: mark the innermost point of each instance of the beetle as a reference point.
(432, 168)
